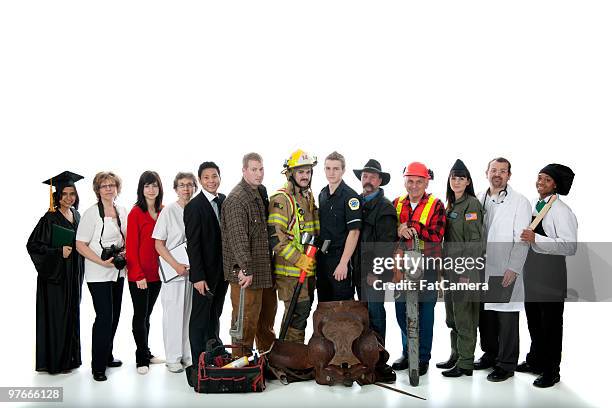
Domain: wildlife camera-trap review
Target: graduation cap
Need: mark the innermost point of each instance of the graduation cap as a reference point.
(61, 181)
(563, 176)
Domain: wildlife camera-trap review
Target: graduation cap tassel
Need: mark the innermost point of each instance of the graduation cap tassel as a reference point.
(51, 206)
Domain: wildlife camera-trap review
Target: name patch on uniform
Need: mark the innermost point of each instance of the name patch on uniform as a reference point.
(353, 204)
(471, 216)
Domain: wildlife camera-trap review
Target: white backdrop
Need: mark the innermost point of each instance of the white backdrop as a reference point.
(129, 86)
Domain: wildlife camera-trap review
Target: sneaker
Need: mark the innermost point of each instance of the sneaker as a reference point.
(175, 367)
(142, 370)
(156, 360)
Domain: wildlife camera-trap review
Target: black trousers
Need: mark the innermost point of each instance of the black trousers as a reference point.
(328, 288)
(499, 337)
(204, 319)
(143, 301)
(545, 322)
(106, 297)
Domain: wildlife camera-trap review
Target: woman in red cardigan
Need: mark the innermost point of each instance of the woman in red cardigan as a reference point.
(142, 264)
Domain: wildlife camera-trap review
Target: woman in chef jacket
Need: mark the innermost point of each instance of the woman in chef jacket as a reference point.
(554, 238)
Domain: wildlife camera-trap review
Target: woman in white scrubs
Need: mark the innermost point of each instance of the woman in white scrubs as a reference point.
(169, 233)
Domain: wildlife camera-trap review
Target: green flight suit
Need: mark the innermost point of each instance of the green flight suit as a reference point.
(464, 225)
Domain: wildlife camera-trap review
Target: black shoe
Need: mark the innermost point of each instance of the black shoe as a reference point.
(99, 375)
(400, 364)
(483, 363)
(457, 372)
(546, 381)
(192, 375)
(423, 367)
(525, 367)
(450, 363)
(499, 374)
(114, 363)
(385, 374)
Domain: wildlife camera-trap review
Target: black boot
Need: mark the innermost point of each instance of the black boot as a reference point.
(450, 363)
(457, 372)
(385, 374)
(400, 364)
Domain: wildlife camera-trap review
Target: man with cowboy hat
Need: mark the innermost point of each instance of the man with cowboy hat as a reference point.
(292, 213)
(378, 226)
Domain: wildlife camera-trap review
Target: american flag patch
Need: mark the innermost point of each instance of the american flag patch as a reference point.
(471, 216)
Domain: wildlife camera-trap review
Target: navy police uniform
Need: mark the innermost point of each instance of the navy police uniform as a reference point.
(339, 213)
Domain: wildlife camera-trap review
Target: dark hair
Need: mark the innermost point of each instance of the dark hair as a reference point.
(208, 165)
(57, 196)
(149, 177)
(500, 160)
(469, 189)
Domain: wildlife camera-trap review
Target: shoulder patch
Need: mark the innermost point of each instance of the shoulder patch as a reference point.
(471, 216)
(353, 204)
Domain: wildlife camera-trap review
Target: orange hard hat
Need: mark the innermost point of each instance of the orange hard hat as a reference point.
(417, 169)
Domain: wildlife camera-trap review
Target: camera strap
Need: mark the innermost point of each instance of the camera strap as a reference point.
(101, 212)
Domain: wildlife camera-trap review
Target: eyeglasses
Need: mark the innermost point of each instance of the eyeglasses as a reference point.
(188, 185)
(107, 186)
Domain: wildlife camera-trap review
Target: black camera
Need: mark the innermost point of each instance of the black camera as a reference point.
(114, 252)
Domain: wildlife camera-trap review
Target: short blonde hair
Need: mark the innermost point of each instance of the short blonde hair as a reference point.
(336, 156)
(250, 156)
(103, 176)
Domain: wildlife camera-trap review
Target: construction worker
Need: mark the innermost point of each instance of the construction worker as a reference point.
(420, 215)
(292, 213)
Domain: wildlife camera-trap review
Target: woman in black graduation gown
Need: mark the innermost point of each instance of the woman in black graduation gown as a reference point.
(60, 276)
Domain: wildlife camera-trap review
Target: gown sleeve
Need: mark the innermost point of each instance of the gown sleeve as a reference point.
(49, 262)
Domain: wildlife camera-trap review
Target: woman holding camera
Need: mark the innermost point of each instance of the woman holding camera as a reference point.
(143, 266)
(100, 239)
(60, 278)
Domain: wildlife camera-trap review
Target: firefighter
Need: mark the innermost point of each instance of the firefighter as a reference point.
(292, 213)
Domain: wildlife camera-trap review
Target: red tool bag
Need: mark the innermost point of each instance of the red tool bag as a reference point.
(214, 379)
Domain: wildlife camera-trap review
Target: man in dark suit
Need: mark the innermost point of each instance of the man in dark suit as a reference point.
(202, 215)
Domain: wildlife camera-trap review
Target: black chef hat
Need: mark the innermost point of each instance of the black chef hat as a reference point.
(563, 176)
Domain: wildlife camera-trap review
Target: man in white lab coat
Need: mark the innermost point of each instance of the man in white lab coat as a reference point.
(554, 238)
(507, 214)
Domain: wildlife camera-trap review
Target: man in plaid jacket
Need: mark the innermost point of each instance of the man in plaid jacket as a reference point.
(247, 258)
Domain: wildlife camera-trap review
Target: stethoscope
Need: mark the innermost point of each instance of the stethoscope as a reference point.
(504, 191)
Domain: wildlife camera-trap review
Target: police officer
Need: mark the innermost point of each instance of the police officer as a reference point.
(340, 214)
(292, 213)
(462, 239)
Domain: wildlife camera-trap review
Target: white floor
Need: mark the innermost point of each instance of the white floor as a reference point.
(584, 345)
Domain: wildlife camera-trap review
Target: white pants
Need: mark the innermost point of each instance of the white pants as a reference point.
(176, 305)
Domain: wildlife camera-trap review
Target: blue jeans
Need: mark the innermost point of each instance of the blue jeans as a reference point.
(378, 318)
(426, 322)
